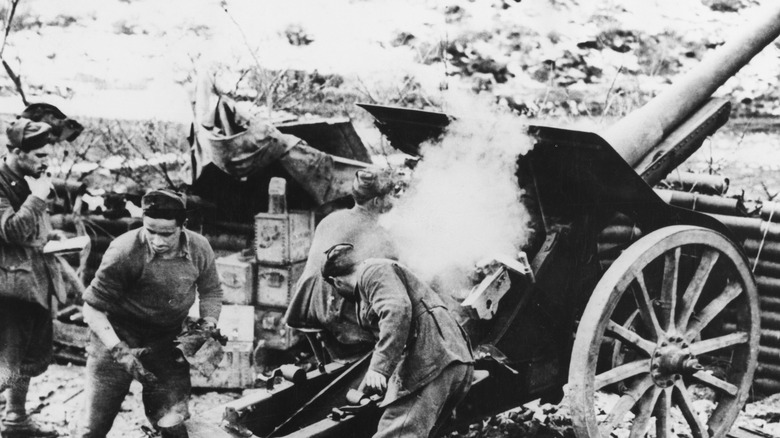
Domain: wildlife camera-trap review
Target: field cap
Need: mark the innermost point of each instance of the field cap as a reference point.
(163, 200)
(27, 135)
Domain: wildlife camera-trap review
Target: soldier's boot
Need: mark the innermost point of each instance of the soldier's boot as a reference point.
(22, 426)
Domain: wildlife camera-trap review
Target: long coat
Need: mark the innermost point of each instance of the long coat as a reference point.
(315, 305)
(25, 272)
(416, 336)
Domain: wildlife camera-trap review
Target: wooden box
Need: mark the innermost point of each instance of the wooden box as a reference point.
(276, 284)
(237, 276)
(272, 332)
(281, 239)
(234, 371)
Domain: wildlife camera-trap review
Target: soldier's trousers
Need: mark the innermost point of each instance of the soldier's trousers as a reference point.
(423, 412)
(107, 384)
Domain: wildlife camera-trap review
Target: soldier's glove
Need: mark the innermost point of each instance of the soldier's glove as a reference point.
(129, 359)
(209, 325)
(201, 344)
(195, 333)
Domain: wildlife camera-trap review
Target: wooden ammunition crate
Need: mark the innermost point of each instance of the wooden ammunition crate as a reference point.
(237, 276)
(276, 284)
(234, 371)
(281, 239)
(271, 331)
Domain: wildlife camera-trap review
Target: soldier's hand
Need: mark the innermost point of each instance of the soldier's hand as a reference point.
(374, 382)
(209, 325)
(129, 359)
(39, 187)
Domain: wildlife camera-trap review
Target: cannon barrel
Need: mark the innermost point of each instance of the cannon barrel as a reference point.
(637, 133)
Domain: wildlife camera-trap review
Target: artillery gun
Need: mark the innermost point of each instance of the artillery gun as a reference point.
(676, 312)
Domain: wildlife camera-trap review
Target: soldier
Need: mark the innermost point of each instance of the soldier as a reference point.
(28, 278)
(135, 307)
(314, 305)
(422, 360)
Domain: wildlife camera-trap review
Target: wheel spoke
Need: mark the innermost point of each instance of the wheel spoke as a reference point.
(626, 402)
(642, 420)
(692, 293)
(683, 400)
(645, 305)
(710, 380)
(719, 343)
(663, 415)
(700, 320)
(631, 338)
(669, 288)
(622, 372)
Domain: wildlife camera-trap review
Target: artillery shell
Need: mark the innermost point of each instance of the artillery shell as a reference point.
(750, 227)
(621, 219)
(703, 203)
(770, 337)
(769, 304)
(770, 320)
(769, 355)
(610, 248)
(766, 268)
(698, 182)
(768, 285)
(770, 210)
(769, 251)
(100, 224)
(619, 234)
(766, 386)
(765, 369)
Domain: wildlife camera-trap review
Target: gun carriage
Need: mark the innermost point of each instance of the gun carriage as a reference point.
(673, 319)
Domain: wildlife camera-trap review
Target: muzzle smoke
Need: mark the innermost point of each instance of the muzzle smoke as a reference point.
(463, 201)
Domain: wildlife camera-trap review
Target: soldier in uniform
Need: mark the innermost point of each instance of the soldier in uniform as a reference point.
(314, 305)
(29, 279)
(135, 307)
(422, 361)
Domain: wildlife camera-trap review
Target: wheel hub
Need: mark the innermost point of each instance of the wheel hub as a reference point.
(671, 360)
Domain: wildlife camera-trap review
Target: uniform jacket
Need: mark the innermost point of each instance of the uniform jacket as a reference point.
(416, 336)
(25, 272)
(315, 305)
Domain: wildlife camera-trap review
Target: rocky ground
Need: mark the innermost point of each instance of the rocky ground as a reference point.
(56, 397)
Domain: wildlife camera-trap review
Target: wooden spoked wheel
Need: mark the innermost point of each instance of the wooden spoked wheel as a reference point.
(671, 334)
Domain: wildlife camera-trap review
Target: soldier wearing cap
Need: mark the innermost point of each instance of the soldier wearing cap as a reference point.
(314, 306)
(422, 361)
(147, 282)
(29, 280)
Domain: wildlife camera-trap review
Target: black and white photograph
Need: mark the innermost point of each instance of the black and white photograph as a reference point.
(390, 218)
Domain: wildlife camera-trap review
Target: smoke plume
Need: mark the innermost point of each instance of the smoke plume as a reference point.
(463, 201)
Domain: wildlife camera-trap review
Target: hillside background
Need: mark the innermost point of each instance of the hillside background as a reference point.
(578, 63)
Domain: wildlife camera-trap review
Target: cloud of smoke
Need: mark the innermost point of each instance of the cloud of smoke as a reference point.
(463, 202)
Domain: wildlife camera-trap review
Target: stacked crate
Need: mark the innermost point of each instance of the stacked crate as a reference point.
(282, 242)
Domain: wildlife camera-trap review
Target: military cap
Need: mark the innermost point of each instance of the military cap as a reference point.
(339, 260)
(163, 200)
(63, 128)
(27, 135)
